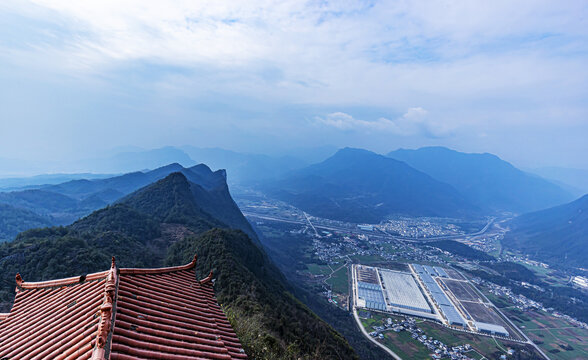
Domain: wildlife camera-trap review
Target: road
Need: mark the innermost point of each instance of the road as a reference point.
(360, 325)
(365, 333)
(312, 226)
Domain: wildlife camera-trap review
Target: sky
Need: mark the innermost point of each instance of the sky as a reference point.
(79, 78)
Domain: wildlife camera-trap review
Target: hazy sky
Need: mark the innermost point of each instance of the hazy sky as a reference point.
(507, 77)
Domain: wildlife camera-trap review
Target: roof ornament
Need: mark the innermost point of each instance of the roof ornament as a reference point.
(106, 314)
(19, 279)
(207, 279)
(193, 263)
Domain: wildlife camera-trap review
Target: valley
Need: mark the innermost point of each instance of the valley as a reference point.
(319, 254)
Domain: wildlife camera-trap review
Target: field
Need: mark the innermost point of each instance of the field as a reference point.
(482, 313)
(316, 269)
(462, 291)
(339, 281)
(453, 274)
(401, 343)
(369, 259)
(555, 336)
(489, 315)
(405, 346)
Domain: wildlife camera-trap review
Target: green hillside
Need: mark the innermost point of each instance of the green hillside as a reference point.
(269, 320)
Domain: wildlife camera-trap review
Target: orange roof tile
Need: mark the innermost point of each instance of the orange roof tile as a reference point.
(126, 314)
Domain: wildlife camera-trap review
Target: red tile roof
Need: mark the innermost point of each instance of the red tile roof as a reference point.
(126, 314)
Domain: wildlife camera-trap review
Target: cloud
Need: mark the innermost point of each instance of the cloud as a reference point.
(494, 67)
(414, 122)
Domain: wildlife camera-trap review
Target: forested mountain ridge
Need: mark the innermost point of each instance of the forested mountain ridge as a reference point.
(269, 320)
(14, 220)
(65, 203)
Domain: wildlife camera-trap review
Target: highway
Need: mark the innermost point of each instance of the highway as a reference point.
(371, 233)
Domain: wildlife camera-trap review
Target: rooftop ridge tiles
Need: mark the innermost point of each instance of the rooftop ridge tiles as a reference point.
(107, 311)
(199, 329)
(21, 319)
(206, 337)
(22, 285)
(186, 336)
(26, 285)
(137, 271)
(207, 279)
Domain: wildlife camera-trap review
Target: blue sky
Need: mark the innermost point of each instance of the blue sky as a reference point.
(507, 77)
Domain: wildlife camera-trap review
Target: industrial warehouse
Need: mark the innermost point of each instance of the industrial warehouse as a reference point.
(423, 292)
(401, 290)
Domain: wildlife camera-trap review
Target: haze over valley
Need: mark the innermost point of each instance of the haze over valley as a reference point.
(287, 180)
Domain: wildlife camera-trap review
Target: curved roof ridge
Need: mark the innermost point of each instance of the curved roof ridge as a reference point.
(107, 310)
(139, 271)
(21, 284)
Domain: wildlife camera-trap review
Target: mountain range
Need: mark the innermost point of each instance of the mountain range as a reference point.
(557, 235)
(361, 186)
(243, 167)
(485, 180)
(64, 203)
(166, 223)
(352, 185)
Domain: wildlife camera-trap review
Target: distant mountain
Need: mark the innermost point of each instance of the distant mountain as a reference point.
(361, 186)
(138, 160)
(245, 168)
(52, 206)
(558, 235)
(485, 180)
(577, 179)
(165, 223)
(64, 203)
(22, 183)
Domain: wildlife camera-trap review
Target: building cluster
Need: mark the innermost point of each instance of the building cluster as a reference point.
(419, 228)
(333, 246)
(487, 244)
(438, 349)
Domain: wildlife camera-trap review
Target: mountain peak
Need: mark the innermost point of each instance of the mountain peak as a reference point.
(169, 200)
(361, 186)
(353, 151)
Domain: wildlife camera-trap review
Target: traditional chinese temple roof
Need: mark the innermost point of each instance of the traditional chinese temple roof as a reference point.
(123, 314)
